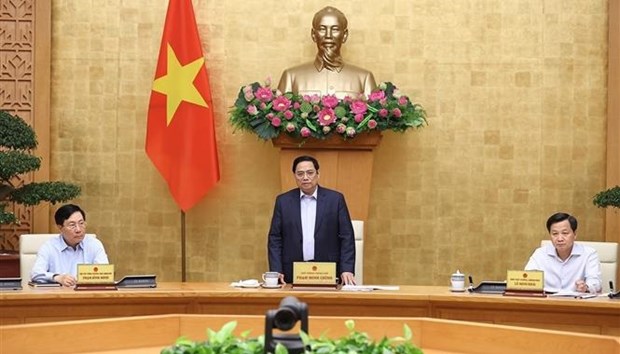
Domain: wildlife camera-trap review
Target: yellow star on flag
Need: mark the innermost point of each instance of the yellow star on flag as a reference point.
(178, 84)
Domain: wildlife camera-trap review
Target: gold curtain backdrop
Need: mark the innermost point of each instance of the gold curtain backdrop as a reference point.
(516, 97)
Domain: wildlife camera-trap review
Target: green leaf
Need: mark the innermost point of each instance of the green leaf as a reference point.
(14, 162)
(350, 324)
(305, 107)
(15, 133)
(608, 198)
(407, 332)
(280, 349)
(310, 125)
(53, 192)
(364, 122)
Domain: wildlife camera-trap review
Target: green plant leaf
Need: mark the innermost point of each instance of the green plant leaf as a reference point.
(13, 163)
(15, 133)
(608, 198)
(407, 332)
(53, 192)
(350, 324)
(280, 349)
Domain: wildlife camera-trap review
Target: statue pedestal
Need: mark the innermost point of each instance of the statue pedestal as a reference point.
(345, 165)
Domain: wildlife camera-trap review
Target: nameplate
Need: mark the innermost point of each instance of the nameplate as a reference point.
(137, 281)
(314, 273)
(10, 283)
(525, 283)
(95, 274)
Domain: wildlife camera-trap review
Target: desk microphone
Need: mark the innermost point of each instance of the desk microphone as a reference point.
(471, 284)
(612, 294)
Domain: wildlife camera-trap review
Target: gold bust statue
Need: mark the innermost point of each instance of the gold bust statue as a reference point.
(328, 74)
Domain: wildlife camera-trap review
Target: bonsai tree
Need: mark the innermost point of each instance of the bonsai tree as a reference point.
(608, 198)
(17, 140)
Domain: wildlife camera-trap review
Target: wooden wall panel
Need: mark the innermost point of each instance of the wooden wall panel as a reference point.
(25, 58)
(612, 220)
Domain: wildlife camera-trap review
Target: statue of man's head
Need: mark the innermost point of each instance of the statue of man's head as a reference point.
(329, 32)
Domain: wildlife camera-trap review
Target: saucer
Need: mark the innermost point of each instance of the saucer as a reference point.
(271, 286)
(458, 290)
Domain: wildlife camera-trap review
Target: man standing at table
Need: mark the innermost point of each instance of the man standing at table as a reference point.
(58, 258)
(311, 223)
(567, 266)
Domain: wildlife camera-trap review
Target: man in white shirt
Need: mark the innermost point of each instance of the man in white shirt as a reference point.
(58, 258)
(567, 266)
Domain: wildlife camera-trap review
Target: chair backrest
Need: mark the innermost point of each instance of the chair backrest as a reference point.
(29, 245)
(358, 231)
(608, 256)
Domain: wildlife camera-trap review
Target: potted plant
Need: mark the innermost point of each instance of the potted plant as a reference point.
(224, 341)
(17, 140)
(608, 198)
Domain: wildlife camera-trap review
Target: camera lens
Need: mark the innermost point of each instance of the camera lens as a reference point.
(285, 319)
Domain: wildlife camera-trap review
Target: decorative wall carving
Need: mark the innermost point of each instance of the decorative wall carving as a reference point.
(16, 92)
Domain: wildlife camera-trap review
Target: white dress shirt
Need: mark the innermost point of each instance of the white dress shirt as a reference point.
(308, 220)
(583, 263)
(56, 257)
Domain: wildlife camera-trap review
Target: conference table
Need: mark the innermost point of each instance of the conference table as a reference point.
(600, 315)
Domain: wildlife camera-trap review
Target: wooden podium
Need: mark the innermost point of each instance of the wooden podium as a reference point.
(345, 165)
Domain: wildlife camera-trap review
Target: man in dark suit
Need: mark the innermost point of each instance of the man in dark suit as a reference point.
(311, 223)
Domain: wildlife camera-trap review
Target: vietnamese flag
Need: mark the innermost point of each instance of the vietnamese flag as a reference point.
(180, 136)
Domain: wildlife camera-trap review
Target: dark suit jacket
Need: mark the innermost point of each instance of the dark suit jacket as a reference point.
(333, 233)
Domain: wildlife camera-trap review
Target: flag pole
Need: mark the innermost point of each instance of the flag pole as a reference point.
(183, 273)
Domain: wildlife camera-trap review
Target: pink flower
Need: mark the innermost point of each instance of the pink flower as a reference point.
(305, 132)
(314, 99)
(377, 95)
(326, 116)
(358, 107)
(372, 124)
(316, 108)
(252, 110)
(383, 102)
(262, 106)
(396, 112)
(281, 103)
(247, 93)
(340, 128)
(329, 101)
(296, 105)
(350, 132)
(270, 116)
(276, 122)
(264, 94)
(288, 115)
(383, 112)
(402, 101)
(290, 127)
(358, 118)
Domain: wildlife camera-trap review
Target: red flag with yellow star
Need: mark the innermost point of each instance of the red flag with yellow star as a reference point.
(180, 136)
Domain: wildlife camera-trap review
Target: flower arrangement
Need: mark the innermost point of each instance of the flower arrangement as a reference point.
(261, 109)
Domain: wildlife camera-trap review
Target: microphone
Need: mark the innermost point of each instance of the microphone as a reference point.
(471, 284)
(612, 294)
